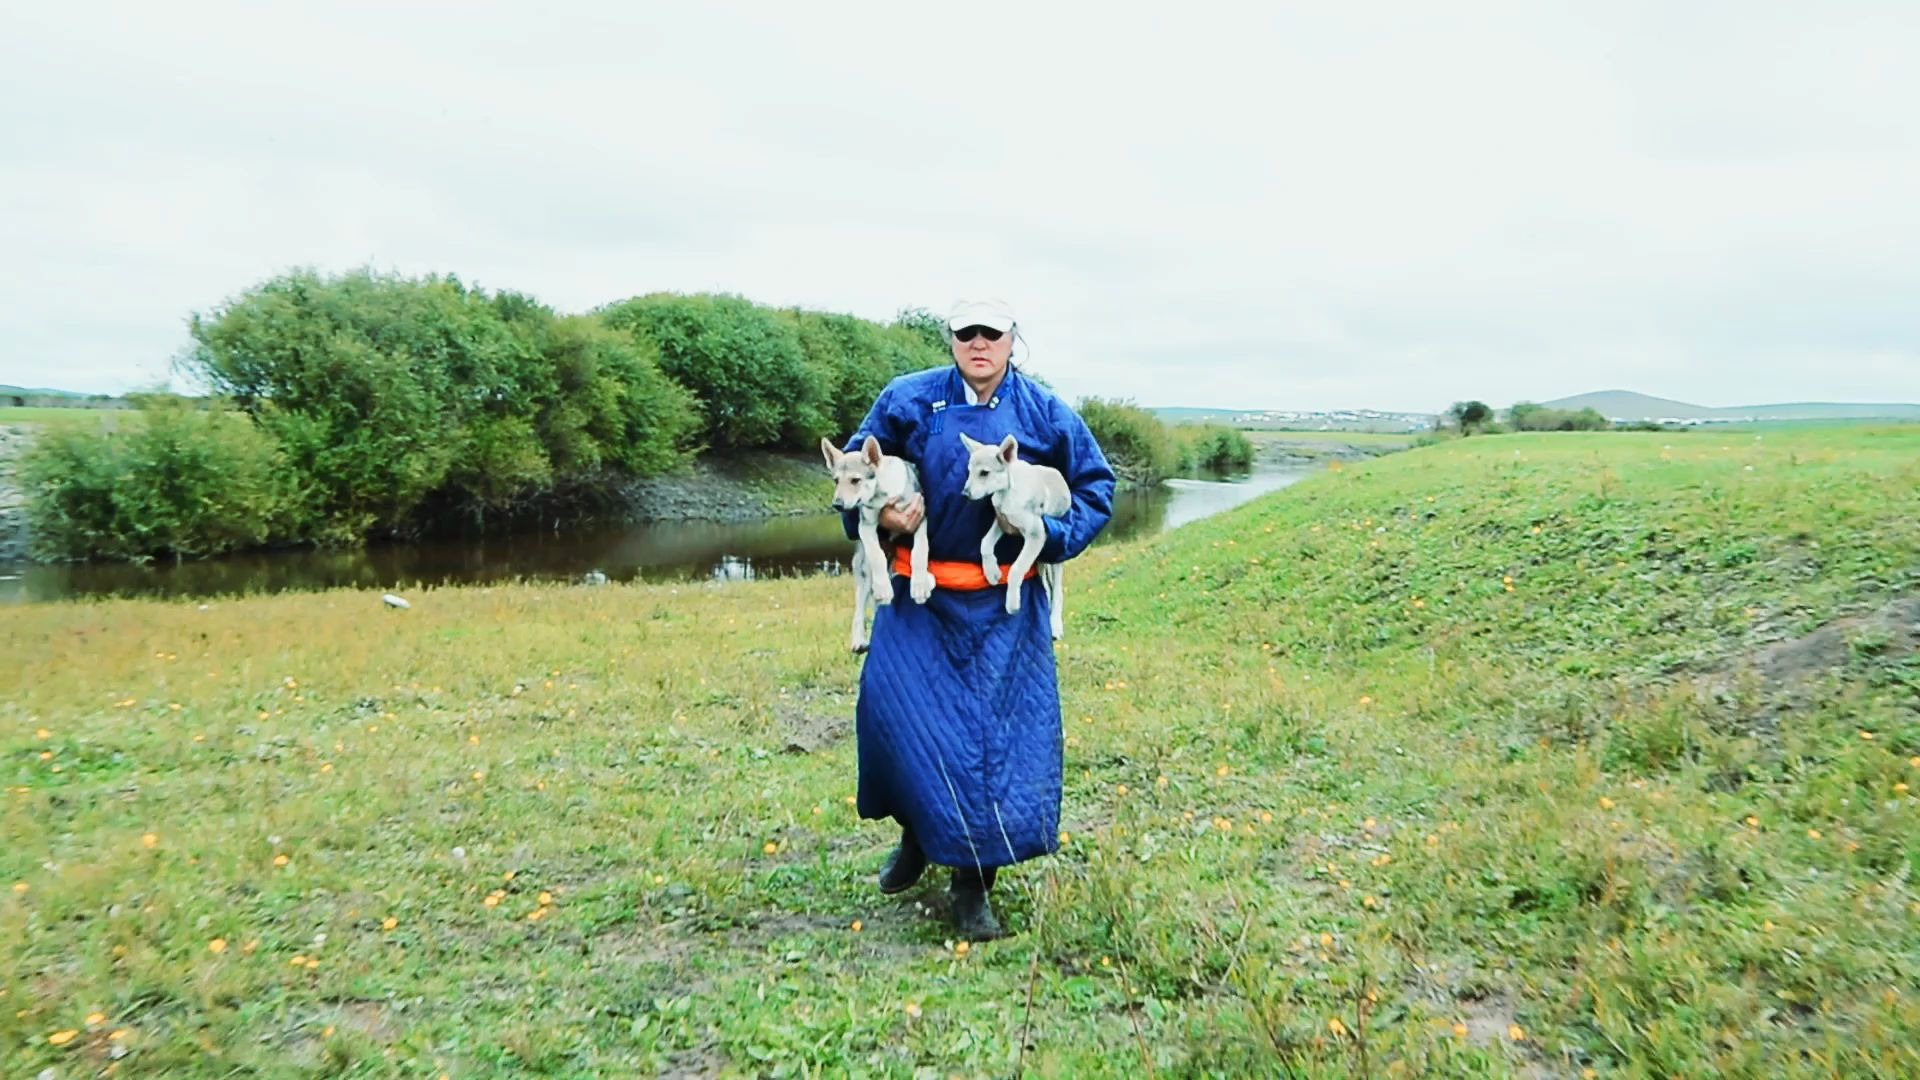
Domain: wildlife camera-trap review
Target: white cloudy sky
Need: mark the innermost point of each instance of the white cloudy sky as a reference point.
(1209, 204)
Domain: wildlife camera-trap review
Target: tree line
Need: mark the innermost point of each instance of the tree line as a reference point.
(367, 405)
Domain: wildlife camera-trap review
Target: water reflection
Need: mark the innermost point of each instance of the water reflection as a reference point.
(666, 551)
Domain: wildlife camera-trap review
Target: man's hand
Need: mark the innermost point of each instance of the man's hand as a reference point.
(901, 522)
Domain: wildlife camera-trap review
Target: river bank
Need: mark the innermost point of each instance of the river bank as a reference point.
(732, 488)
(13, 500)
(724, 488)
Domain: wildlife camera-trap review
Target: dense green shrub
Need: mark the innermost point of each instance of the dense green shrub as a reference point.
(927, 328)
(859, 358)
(1213, 448)
(756, 383)
(391, 405)
(389, 396)
(1138, 446)
(1467, 417)
(1526, 416)
(173, 479)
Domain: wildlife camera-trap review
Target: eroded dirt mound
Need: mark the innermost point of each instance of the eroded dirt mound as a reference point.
(1892, 630)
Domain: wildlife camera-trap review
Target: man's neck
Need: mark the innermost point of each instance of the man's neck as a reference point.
(983, 392)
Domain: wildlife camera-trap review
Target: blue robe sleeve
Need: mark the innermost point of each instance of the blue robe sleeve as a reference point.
(1089, 478)
(882, 424)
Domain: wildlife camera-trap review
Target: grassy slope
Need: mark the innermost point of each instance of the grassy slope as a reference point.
(1327, 774)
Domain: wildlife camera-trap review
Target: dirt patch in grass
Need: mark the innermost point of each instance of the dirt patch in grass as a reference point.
(809, 721)
(695, 1064)
(1893, 629)
(1779, 675)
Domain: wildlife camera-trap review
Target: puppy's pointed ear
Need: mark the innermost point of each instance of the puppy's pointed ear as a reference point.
(971, 443)
(871, 451)
(1009, 449)
(830, 452)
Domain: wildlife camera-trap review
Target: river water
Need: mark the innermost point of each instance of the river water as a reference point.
(653, 551)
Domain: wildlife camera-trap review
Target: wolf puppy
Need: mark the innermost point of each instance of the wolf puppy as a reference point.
(868, 481)
(1023, 496)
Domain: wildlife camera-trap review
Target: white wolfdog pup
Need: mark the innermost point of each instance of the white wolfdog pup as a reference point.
(868, 481)
(1023, 495)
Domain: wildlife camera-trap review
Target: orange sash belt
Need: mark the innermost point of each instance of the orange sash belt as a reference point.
(950, 574)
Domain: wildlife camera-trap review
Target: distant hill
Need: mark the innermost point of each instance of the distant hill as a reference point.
(1627, 405)
(24, 391)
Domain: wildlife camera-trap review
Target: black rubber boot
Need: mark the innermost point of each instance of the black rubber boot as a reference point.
(904, 866)
(973, 918)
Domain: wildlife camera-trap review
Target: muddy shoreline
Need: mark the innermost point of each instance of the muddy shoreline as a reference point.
(723, 488)
(13, 500)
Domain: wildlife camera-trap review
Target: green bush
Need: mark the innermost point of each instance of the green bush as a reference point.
(756, 383)
(1527, 416)
(859, 358)
(1138, 446)
(1467, 417)
(1213, 448)
(395, 406)
(600, 398)
(400, 399)
(928, 329)
(172, 480)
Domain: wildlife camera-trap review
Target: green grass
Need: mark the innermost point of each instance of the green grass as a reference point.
(1383, 441)
(1435, 765)
(1389, 439)
(41, 417)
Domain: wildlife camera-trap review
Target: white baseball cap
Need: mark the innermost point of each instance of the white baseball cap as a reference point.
(992, 314)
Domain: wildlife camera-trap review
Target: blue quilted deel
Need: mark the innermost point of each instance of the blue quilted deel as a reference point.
(959, 714)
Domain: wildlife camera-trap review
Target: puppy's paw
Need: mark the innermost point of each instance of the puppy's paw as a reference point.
(992, 571)
(883, 594)
(857, 648)
(1013, 599)
(922, 587)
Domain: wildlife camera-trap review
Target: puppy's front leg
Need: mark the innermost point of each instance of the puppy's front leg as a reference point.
(1054, 577)
(880, 579)
(1034, 539)
(922, 580)
(857, 640)
(990, 563)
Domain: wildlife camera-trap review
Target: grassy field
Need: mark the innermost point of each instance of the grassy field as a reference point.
(44, 417)
(1508, 756)
(1389, 439)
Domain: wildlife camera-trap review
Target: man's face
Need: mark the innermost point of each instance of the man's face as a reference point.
(982, 352)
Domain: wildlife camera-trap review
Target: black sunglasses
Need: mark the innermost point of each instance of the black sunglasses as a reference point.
(968, 333)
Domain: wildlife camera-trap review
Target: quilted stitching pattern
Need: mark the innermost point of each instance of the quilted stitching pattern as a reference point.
(959, 715)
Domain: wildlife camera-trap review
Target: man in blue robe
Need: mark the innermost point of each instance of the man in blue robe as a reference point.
(958, 721)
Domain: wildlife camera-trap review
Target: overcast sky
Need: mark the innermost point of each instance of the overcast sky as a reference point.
(1214, 205)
